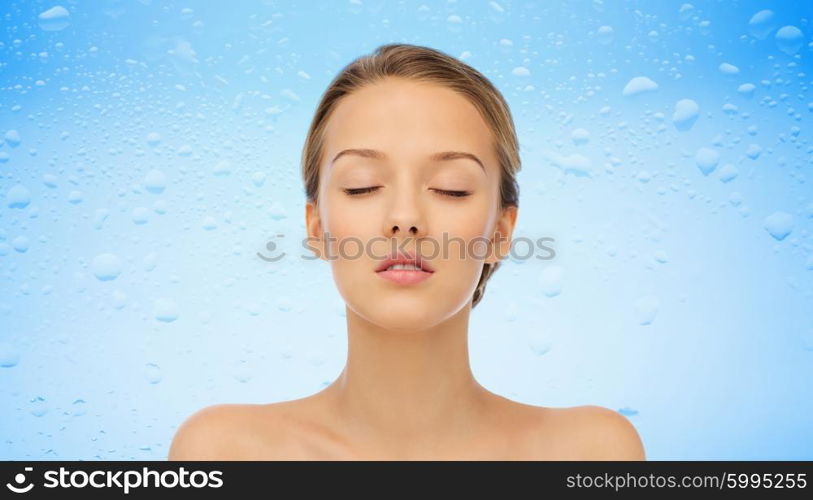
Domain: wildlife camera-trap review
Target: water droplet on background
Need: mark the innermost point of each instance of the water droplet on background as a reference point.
(209, 223)
(779, 225)
(639, 85)
(761, 24)
(735, 199)
(75, 197)
(746, 89)
(21, 244)
(12, 138)
(106, 266)
(539, 344)
(222, 168)
(99, 217)
(38, 407)
(78, 408)
(729, 69)
(119, 299)
(706, 160)
(18, 197)
(258, 178)
(574, 164)
(789, 39)
(9, 355)
(159, 207)
(150, 261)
(49, 180)
(728, 172)
(604, 34)
(686, 11)
(253, 307)
(661, 257)
(685, 114)
(646, 308)
(155, 181)
(54, 19)
(166, 310)
(153, 138)
(284, 304)
(140, 215)
(644, 176)
(753, 151)
(241, 371)
(580, 136)
(152, 372)
(551, 279)
(277, 211)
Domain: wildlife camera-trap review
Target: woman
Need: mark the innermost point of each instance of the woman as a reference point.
(412, 156)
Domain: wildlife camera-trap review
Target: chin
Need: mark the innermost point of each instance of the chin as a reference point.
(404, 312)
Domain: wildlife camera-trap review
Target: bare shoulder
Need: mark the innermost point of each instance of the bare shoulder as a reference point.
(586, 432)
(601, 433)
(227, 432)
(198, 437)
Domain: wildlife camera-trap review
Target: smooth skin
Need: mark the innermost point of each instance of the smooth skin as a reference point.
(407, 391)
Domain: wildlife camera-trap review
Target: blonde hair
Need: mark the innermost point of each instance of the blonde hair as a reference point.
(421, 64)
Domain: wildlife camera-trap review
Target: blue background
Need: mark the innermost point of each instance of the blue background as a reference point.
(150, 150)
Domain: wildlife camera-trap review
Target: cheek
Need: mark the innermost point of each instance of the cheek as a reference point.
(468, 220)
(343, 218)
(349, 226)
(459, 237)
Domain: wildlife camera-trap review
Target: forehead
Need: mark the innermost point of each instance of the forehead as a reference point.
(407, 119)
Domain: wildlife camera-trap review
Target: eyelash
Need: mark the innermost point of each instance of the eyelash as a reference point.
(453, 194)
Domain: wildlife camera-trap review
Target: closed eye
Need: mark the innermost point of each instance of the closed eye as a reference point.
(445, 192)
(356, 191)
(456, 194)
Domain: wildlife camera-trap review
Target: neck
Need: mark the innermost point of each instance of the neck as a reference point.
(407, 387)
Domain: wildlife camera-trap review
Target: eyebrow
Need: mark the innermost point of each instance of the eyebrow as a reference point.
(441, 156)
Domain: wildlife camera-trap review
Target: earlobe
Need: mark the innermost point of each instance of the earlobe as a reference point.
(501, 239)
(499, 245)
(313, 226)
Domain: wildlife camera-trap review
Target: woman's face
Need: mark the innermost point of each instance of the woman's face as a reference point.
(413, 204)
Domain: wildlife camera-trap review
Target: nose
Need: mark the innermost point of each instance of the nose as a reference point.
(405, 217)
(413, 231)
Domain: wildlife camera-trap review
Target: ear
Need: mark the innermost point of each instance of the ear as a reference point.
(501, 239)
(313, 226)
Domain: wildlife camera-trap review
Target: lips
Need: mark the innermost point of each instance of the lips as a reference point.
(405, 258)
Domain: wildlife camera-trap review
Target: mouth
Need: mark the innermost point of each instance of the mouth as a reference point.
(405, 269)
